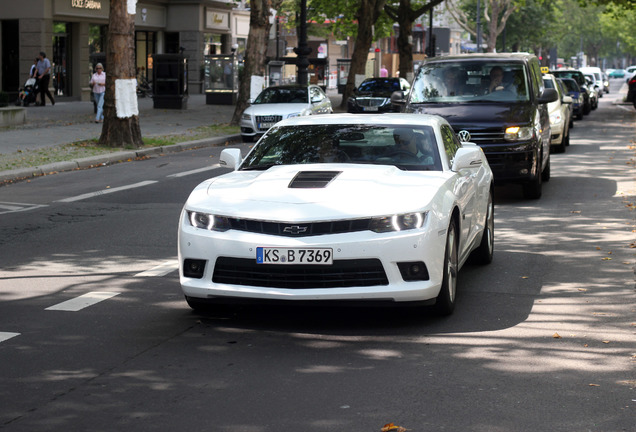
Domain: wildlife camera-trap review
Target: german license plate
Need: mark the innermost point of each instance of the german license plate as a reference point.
(371, 108)
(265, 125)
(313, 256)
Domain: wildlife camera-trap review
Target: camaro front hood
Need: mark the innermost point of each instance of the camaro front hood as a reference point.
(333, 191)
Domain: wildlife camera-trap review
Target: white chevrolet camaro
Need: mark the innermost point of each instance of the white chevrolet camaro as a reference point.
(374, 208)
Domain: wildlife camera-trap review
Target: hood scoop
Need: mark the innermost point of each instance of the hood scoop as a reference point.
(313, 179)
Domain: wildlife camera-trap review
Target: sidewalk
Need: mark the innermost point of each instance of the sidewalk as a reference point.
(68, 122)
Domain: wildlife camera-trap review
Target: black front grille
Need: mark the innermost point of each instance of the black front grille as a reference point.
(341, 274)
(294, 229)
(486, 136)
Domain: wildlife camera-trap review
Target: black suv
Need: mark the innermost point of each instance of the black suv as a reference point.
(374, 95)
(497, 101)
(579, 77)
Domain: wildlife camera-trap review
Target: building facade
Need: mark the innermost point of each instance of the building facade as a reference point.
(73, 34)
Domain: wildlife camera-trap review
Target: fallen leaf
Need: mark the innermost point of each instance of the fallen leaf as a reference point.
(556, 336)
(595, 385)
(607, 259)
(525, 277)
(391, 427)
(606, 342)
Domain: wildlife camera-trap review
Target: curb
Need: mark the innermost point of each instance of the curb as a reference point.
(112, 158)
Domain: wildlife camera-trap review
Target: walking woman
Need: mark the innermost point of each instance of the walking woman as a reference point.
(98, 83)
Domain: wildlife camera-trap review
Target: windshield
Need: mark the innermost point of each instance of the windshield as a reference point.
(407, 147)
(282, 95)
(375, 85)
(460, 82)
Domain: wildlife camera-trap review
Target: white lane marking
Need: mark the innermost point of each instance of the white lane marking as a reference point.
(12, 207)
(196, 171)
(160, 270)
(107, 191)
(83, 301)
(7, 335)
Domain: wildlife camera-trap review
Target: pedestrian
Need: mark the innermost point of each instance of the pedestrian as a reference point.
(384, 72)
(98, 83)
(44, 77)
(34, 68)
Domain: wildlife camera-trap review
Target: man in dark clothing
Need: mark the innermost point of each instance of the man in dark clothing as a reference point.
(44, 77)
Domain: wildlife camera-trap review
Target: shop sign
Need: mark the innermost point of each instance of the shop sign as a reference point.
(86, 4)
(218, 20)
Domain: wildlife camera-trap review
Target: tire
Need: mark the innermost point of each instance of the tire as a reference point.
(445, 301)
(567, 140)
(532, 189)
(484, 253)
(545, 175)
(579, 116)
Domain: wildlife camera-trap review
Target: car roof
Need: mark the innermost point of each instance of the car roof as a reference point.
(482, 56)
(392, 119)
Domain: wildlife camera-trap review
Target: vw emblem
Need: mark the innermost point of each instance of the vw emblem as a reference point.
(464, 136)
(295, 229)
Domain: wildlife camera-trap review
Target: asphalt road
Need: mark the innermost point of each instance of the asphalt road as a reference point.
(95, 334)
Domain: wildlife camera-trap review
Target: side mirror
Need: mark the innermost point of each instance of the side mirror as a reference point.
(397, 98)
(469, 156)
(567, 99)
(548, 95)
(230, 158)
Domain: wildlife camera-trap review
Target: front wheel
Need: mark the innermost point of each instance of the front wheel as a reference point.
(484, 253)
(445, 301)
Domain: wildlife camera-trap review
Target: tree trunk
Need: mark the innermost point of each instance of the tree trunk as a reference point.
(120, 58)
(367, 15)
(255, 51)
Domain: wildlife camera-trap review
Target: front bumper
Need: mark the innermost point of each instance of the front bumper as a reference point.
(350, 251)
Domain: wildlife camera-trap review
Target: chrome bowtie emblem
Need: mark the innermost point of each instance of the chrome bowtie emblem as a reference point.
(295, 229)
(464, 136)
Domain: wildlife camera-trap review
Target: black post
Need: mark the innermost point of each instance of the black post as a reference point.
(303, 50)
(431, 42)
(478, 24)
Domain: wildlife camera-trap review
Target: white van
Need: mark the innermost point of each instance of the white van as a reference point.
(598, 77)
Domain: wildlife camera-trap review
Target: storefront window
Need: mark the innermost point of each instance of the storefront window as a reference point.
(144, 49)
(60, 59)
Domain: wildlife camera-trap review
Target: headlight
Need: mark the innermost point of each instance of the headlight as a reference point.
(516, 133)
(555, 118)
(403, 222)
(246, 117)
(296, 114)
(208, 221)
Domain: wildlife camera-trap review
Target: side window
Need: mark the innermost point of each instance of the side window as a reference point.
(537, 78)
(451, 143)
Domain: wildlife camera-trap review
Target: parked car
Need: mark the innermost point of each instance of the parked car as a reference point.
(631, 90)
(499, 100)
(559, 111)
(617, 73)
(576, 94)
(276, 103)
(597, 74)
(374, 95)
(565, 93)
(629, 73)
(347, 207)
(577, 76)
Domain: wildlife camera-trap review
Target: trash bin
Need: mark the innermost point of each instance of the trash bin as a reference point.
(170, 81)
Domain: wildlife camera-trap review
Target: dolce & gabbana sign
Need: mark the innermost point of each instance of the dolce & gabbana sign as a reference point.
(86, 4)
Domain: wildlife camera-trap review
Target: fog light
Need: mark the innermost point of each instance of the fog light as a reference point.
(413, 271)
(193, 268)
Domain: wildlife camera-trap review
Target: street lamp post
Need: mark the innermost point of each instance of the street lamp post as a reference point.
(303, 50)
